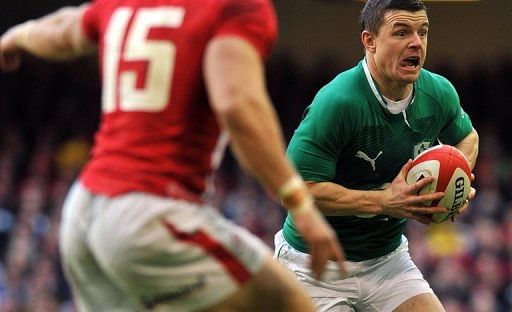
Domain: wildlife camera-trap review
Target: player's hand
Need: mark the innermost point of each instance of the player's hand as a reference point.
(401, 200)
(321, 240)
(10, 54)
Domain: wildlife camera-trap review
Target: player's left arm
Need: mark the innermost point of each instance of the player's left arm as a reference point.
(57, 36)
(469, 147)
(459, 132)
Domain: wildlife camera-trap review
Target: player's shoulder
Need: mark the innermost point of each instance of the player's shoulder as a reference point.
(428, 76)
(435, 84)
(346, 89)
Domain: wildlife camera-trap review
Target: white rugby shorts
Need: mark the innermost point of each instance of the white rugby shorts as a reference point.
(139, 251)
(379, 284)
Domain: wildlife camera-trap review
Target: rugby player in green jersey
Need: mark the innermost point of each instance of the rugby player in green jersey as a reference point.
(354, 147)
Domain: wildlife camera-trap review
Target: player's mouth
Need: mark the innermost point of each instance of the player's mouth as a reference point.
(410, 63)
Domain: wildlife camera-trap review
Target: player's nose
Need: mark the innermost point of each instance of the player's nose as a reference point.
(416, 41)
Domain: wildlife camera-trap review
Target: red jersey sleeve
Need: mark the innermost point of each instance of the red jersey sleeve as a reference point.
(90, 21)
(254, 20)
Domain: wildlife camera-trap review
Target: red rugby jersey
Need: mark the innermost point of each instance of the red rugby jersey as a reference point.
(157, 132)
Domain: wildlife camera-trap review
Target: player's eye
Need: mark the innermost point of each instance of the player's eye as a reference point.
(401, 34)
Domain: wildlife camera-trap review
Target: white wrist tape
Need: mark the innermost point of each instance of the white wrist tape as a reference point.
(293, 184)
(289, 188)
(306, 205)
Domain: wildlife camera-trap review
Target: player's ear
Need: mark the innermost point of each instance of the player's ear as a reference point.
(368, 39)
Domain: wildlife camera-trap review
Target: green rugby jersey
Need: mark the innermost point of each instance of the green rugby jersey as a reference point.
(349, 138)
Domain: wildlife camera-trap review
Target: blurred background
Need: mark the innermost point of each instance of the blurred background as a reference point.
(49, 112)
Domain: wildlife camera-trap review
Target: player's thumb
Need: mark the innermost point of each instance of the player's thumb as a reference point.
(406, 167)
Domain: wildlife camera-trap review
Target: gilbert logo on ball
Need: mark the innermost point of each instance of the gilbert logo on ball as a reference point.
(451, 171)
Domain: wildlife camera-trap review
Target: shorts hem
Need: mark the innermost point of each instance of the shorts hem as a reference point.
(409, 296)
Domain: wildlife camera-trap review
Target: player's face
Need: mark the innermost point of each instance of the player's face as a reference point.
(401, 45)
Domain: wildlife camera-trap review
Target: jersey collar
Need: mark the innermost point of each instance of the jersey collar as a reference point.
(376, 91)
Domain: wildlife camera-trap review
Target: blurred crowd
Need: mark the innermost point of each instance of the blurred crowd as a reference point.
(48, 115)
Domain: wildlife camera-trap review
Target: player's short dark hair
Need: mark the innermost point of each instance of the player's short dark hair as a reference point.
(374, 10)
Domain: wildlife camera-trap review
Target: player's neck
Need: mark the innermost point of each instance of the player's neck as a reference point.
(395, 91)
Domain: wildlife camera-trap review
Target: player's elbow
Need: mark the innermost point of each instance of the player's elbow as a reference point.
(240, 110)
(231, 105)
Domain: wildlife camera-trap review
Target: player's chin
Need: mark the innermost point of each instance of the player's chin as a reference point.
(409, 75)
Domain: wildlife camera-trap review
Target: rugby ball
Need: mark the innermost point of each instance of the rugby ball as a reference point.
(452, 173)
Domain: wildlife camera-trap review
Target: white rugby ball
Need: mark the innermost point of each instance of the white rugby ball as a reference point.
(451, 171)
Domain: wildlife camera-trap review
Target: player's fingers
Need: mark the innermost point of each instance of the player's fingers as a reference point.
(313, 258)
(416, 187)
(425, 218)
(464, 207)
(430, 197)
(319, 258)
(472, 193)
(340, 259)
(427, 210)
(420, 217)
(422, 182)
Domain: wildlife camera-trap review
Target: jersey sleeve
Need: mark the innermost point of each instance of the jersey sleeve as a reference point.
(90, 21)
(458, 124)
(316, 144)
(254, 20)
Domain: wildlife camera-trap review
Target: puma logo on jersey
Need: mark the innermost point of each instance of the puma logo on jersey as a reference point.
(367, 158)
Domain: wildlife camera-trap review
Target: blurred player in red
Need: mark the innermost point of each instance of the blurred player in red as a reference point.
(178, 78)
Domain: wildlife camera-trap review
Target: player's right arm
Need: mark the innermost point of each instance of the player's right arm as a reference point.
(56, 36)
(234, 76)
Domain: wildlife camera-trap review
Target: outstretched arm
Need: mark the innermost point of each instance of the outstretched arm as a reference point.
(235, 82)
(57, 36)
